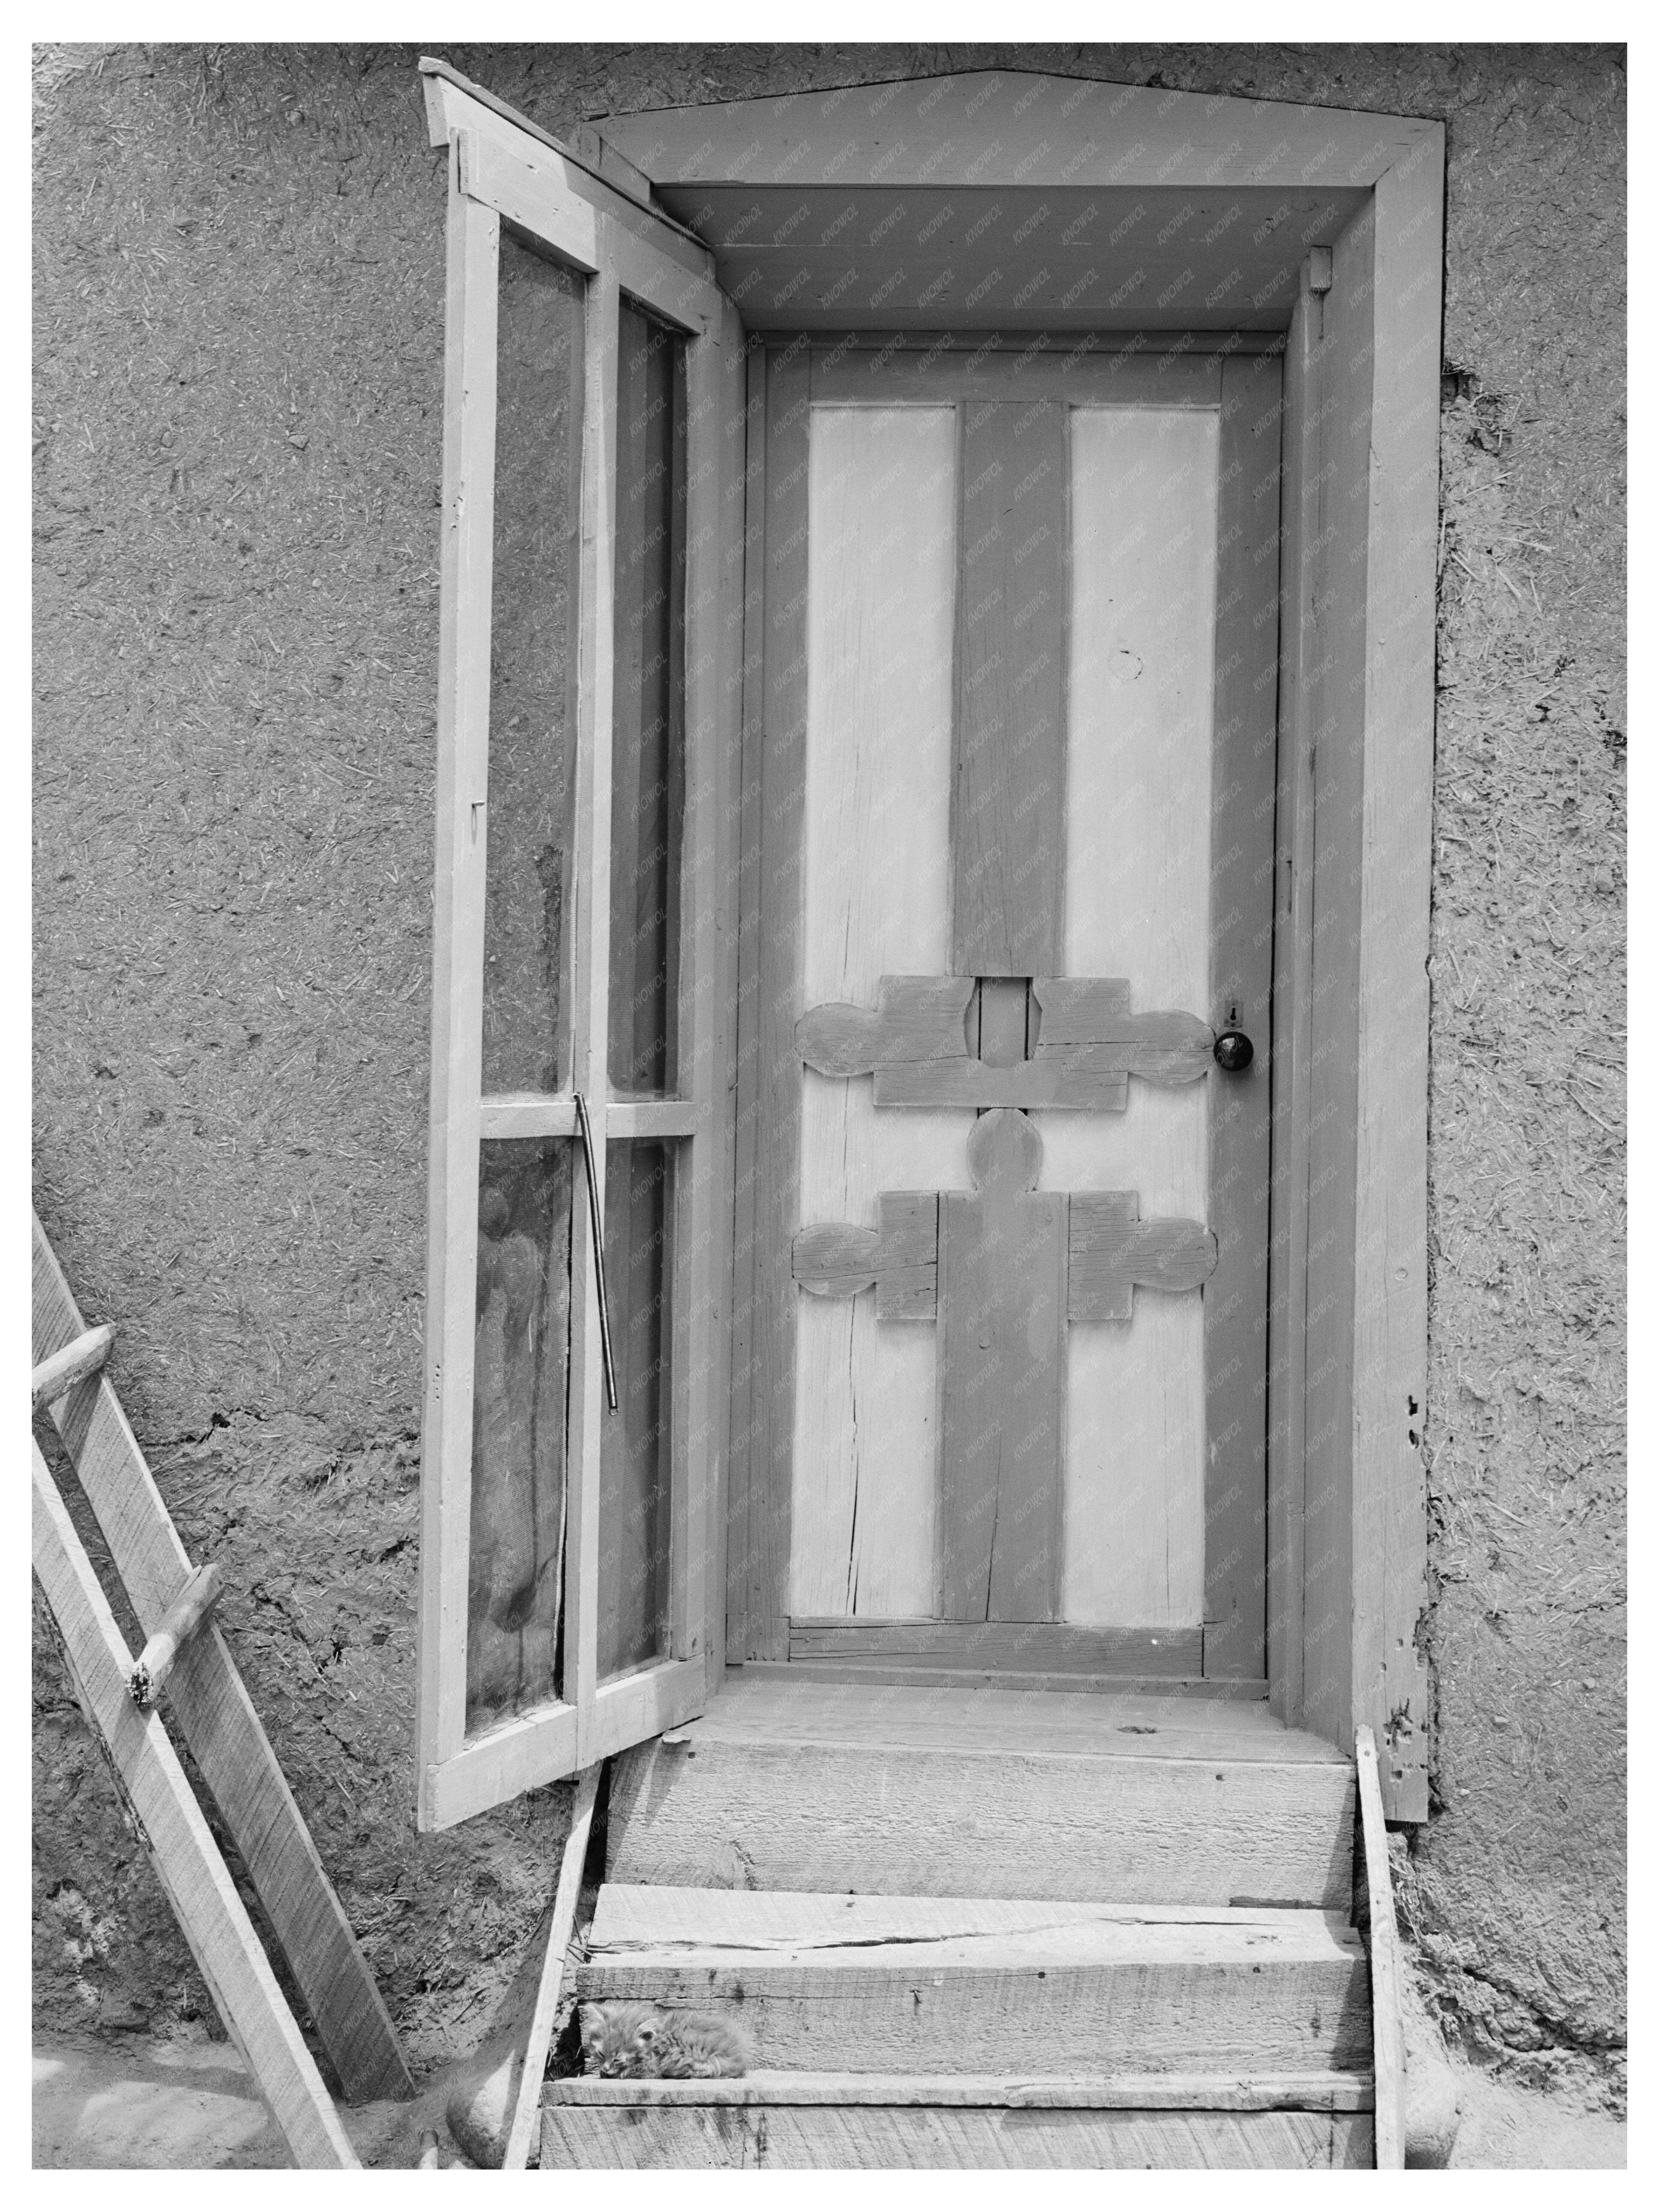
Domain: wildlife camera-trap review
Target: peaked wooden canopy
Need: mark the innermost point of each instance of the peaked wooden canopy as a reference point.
(1026, 201)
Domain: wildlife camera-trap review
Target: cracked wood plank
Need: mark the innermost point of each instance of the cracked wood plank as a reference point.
(1221, 2092)
(899, 1261)
(709, 2135)
(953, 1819)
(633, 1916)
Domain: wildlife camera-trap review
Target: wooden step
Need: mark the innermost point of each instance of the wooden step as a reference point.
(814, 1786)
(802, 2120)
(938, 1986)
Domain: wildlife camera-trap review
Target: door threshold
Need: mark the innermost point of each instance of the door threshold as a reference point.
(777, 1703)
(922, 1672)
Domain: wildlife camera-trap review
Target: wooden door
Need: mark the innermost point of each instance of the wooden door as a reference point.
(1006, 1363)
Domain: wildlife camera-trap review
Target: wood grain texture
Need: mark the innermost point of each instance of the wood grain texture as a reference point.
(181, 1620)
(1388, 2025)
(455, 102)
(175, 1835)
(632, 1917)
(1085, 1997)
(529, 192)
(1339, 393)
(1020, 1647)
(1008, 786)
(1002, 1260)
(466, 555)
(1242, 772)
(916, 1819)
(1152, 2092)
(538, 2029)
(969, 367)
(874, 891)
(1112, 135)
(541, 194)
(899, 1261)
(56, 1378)
(915, 1042)
(708, 993)
(1112, 1250)
(1139, 841)
(921, 1672)
(1291, 1071)
(1390, 1356)
(590, 997)
(773, 1705)
(747, 1471)
(774, 1096)
(686, 2137)
(211, 1706)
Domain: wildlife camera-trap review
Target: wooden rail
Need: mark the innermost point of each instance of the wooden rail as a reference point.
(1388, 2034)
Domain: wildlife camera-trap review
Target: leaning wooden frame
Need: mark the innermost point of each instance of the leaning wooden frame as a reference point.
(498, 175)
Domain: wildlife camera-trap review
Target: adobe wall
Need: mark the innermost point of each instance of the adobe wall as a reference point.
(238, 331)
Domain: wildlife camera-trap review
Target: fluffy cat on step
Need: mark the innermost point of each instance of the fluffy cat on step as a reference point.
(647, 2042)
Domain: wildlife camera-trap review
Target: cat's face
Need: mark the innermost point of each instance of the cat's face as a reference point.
(617, 2039)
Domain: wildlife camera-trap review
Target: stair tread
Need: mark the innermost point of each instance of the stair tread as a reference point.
(638, 1924)
(998, 1723)
(1328, 2090)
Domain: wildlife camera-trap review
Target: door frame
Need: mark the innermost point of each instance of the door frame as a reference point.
(1360, 302)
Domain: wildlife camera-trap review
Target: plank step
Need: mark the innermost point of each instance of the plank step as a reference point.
(1328, 2092)
(918, 1985)
(1052, 1807)
(828, 2121)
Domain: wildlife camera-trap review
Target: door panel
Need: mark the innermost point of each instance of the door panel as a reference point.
(1137, 903)
(876, 897)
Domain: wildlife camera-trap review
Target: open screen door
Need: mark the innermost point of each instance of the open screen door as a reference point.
(569, 1562)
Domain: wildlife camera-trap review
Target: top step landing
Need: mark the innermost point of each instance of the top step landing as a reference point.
(898, 1791)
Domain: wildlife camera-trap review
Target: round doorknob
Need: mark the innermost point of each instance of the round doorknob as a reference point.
(1233, 1052)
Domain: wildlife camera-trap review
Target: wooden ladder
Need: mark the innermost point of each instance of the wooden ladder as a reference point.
(211, 1706)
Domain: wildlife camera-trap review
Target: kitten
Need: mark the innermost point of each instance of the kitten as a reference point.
(641, 2042)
